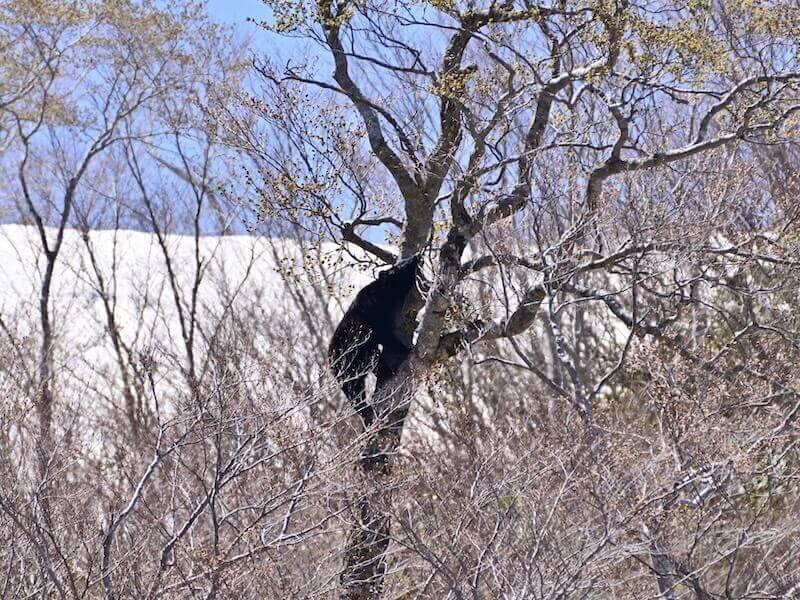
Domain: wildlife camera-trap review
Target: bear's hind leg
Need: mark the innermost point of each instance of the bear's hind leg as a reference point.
(356, 392)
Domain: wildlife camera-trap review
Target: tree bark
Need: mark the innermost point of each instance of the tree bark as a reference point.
(365, 553)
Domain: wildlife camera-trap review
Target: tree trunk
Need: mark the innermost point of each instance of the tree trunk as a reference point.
(365, 553)
(44, 445)
(663, 569)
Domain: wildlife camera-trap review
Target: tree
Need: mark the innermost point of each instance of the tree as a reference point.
(129, 55)
(602, 397)
(566, 151)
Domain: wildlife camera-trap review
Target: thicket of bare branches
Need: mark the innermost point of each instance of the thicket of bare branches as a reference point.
(602, 396)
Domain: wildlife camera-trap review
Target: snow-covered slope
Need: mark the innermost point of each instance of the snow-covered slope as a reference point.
(259, 315)
(244, 283)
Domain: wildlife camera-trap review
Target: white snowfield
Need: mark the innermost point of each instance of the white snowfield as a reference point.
(265, 303)
(241, 286)
(268, 305)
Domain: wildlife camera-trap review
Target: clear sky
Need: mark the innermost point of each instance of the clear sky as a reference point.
(236, 11)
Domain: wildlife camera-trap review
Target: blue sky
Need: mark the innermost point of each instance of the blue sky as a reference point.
(263, 43)
(236, 11)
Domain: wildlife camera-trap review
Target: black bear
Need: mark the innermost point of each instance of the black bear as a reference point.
(366, 340)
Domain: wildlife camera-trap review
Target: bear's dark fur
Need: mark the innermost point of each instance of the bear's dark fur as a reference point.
(366, 338)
